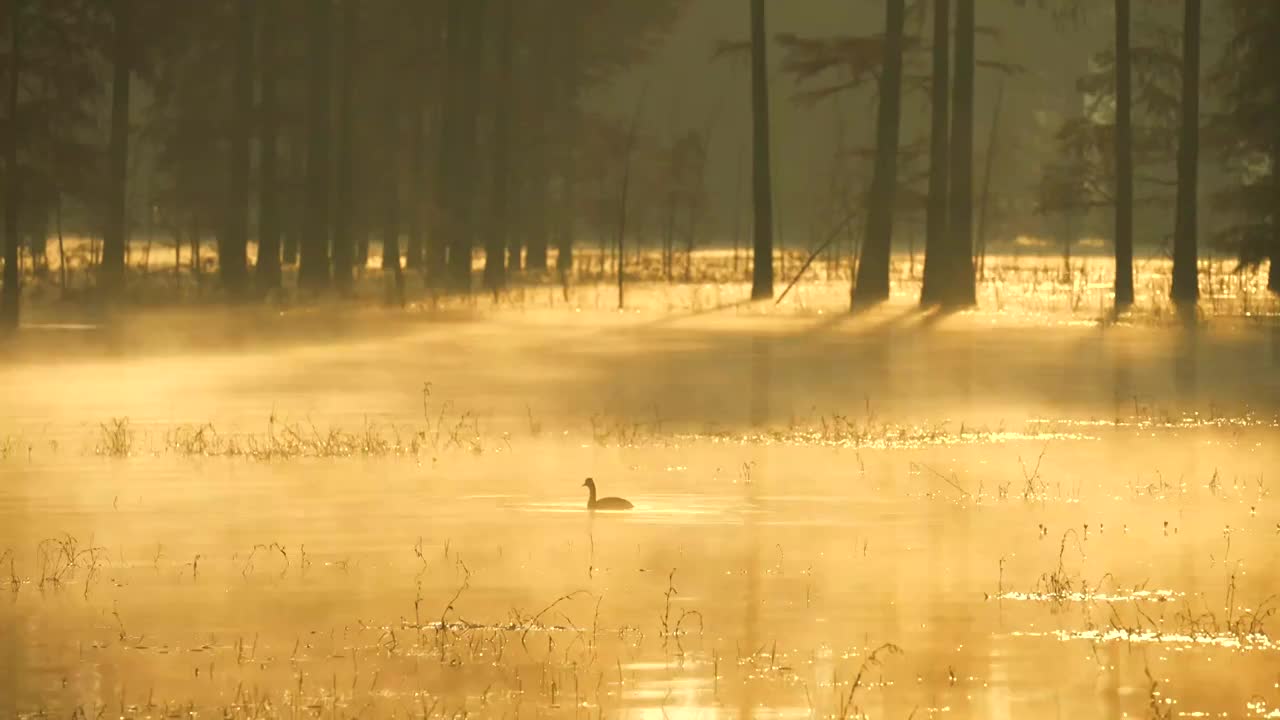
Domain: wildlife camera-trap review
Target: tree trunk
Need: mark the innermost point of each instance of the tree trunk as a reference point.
(391, 196)
(515, 185)
(195, 246)
(625, 197)
(537, 184)
(62, 250)
(1273, 274)
(313, 274)
(1124, 159)
(418, 182)
(669, 237)
(344, 242)
(762, 180)
(737, 215)
(235, 237)
(984, 205)
(467, 69)
(568, 220)
(1186, 287)
(872, 285)
(442, 127)
(499, 223)
(959, 290)
(458, 138)
(113, 238)
(568, 127)
(268, 268)
(294, 218)
(11, 296)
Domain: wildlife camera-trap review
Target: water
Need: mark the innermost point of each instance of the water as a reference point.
(886, 515)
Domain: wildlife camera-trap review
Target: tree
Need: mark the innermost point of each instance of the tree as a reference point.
(872, 285)
(426, 34)
(566, 100)
(762, 183)
(344, 241)
(939, 148)
(1247, 134)
(959, 289)
(12, 291)
(1186, 290)
(458, 147)
(499, 224)
(313, 273)
(1124, 159)
(390, 161)
(235, 239)
(48, 138)
(268, 267)
(114, 236)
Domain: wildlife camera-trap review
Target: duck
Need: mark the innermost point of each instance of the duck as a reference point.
(608, 503)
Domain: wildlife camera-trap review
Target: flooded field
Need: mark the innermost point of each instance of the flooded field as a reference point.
(890, 515)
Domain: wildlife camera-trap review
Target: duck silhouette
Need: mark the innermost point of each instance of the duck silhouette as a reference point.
(608, 503)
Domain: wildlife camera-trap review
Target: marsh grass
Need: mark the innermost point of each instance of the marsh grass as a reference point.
(873, 661)
(59, 559)
(290, 440)
(450, 430)
(115, 438)
(1228, 623)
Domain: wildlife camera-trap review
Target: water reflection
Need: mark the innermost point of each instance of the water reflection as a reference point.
(467, 578)
(761, 382)
(1186, 358)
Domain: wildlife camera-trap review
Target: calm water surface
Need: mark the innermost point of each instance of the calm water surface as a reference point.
(832, 518)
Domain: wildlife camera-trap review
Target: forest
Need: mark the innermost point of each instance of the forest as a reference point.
(272, 143)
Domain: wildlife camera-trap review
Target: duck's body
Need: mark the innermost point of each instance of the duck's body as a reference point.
(607, 503)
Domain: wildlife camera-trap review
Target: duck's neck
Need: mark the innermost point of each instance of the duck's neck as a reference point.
(591, 499)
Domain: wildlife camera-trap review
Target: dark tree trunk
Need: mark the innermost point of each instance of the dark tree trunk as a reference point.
(292, 206)
(567, 220)
(1273, 274)
(1124, 159)
(515, 186)
(268, 268)
(235, 237)
(418, 184)
(737, 213)
(568, 129)
(872, 285)
(313, 274)
(458, 138)
(1186, 287)
(537, 178)
(195, 246)
(762, 180)
(113, 238)
(415, 255)
(536, 203)
(499, 222)
(441, 114)
(391, 195)
(344, 242)
(11, 296)
(936, 241)
(984, 204)
(958, 288)
(467, 70)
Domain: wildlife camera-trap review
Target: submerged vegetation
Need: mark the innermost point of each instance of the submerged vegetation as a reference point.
(315, 313)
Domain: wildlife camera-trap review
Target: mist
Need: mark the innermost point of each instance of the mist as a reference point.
(677, 358)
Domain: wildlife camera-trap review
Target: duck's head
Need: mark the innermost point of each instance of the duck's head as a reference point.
(589, 483)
